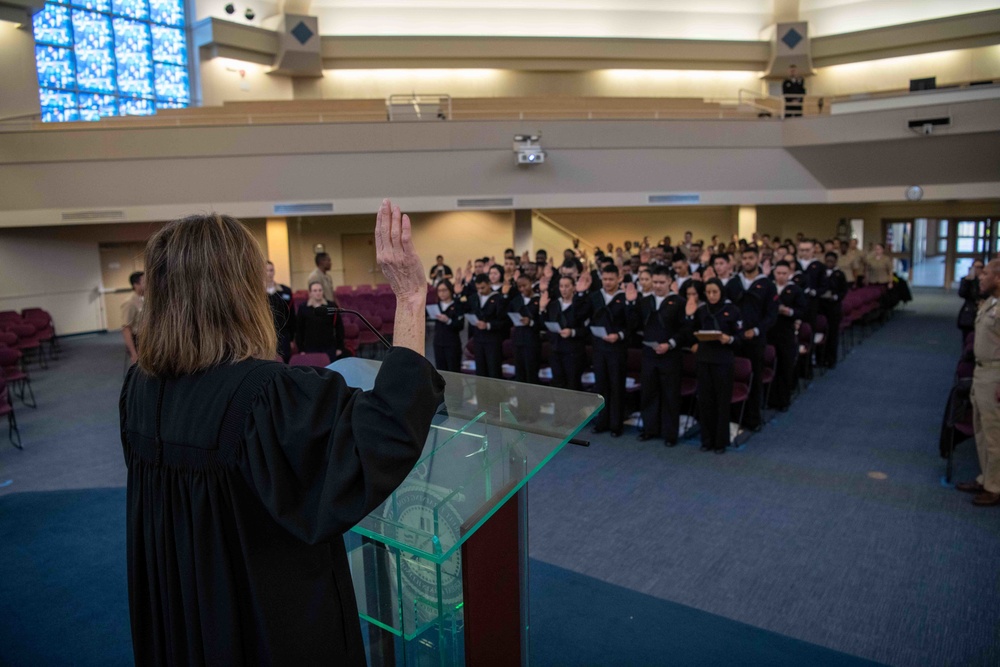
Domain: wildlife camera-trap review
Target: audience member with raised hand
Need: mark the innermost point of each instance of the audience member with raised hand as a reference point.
(448, 326)
(968, 291)
(568, 315)
(611, 321)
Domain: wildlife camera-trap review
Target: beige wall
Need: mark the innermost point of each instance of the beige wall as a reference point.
(459, 236)
(545, 236)
(221, 82)
(820, 221)
(19, 87)
(370, 84)
(895, 73)
(603, 226)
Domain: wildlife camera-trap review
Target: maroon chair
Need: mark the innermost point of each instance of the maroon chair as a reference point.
(7, 408)
(383, 288)
(44, 332)
(16, 376)
(366, 337)
(806, 346)
(351, 333)
(742, 380)
(28, 343)
(364, 289)
(768, 372)
(342, 291)
(320, 359)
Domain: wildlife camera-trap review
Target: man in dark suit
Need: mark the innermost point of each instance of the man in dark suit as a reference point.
(812, 280)
(832, 307)
(489, 308)
(784, 335)
(665, 331)
(612, 312)
(759, 307)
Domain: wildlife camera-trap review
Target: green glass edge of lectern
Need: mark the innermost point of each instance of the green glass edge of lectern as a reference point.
(541, 440)
(487, 440)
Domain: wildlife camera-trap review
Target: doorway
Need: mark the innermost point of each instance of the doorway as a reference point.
(937, 252)
(358, 260)
(118, 261)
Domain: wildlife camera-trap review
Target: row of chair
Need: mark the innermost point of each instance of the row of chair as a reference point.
(24, 338)
(957, 424)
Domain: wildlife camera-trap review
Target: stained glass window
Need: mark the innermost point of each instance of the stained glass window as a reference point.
(99, 58)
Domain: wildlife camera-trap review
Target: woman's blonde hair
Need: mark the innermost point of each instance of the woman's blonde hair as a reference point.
(205, 302)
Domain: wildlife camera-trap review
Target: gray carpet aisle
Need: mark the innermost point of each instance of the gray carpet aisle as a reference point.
(792, 534)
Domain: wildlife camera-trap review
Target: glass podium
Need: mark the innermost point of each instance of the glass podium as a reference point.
(440, 568)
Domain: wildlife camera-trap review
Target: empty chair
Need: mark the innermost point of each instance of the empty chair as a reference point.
(16, 376)
(383, 288)
(342, 291)
(44, 330)
(742, 379)
(364, 289)
(351, 333)
(27, 343)
(7, 408)
(310, 359)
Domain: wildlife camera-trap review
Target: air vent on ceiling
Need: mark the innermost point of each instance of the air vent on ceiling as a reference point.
(303, 209)
(486, 202)
(88, 216)
(691, 198)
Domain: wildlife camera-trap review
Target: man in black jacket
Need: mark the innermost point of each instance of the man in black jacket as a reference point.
(759, 307)
(665, 331)
(812, 281)
(832, 307)
(489, 308)
(612, 312)
(784, 335)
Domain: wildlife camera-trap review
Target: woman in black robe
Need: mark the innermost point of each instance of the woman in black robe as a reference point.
(244, 473)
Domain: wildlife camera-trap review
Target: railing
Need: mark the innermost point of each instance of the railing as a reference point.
(423, 107)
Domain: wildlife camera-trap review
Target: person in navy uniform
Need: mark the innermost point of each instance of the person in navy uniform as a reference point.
(663, 321)
(793, 88)
(571, 311)
(812, 280)
(611, 311)
(447, 329)
(832, 308)
(759, 308)
(715, 366)
(279, 297)
(784, 335)
(732, 287)
(491, 328)
(526, 336)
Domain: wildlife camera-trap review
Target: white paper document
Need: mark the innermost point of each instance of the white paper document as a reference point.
(516, 319)
(599, 332)
(433, 311)
(651, 344)
(472, 319)
(553, 327)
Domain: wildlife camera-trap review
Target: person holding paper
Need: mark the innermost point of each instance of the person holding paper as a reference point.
(784, 335)
(448, 325)
(488, 317)
(523, 310)
(715, 366)
(665, 331)
(566, 321)
(612, 313)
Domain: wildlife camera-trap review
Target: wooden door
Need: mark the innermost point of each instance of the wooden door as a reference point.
(358, 260)
(118, 262)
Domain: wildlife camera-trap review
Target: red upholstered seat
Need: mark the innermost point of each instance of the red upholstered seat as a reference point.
(309, 359)
(16, 376)
(742, 379)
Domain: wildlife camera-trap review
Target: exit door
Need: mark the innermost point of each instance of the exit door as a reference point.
(937, 252)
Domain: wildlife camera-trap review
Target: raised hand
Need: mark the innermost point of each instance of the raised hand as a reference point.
(631, 294)
(395, 253)
(547, 273)
(583, 282)
(691, 307)
(543, 300)
(708, 273)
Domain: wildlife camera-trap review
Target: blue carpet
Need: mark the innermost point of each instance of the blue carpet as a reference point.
(67, 602)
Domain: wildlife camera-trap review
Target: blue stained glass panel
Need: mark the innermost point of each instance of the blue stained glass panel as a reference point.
(136, 9)
(52, 26)
(56, 67)
(92, 5)
(169, 45)
(57, 99)
(130, 107)
(92, 31)
(168, 12)
(131, 36)
(171, 83)
(56, 115)
(95, 107)
(135, 64)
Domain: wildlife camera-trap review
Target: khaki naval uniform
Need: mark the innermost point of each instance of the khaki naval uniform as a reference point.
(130, 311)
(985, 380)
(318, 276)
(879, 270)
(852, 263)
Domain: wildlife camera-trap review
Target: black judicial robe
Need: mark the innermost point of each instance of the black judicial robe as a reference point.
(234, 520)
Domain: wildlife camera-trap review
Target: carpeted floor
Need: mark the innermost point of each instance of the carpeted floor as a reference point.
(763, 556)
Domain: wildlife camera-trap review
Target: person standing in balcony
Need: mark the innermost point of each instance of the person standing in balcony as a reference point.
(792, 89)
